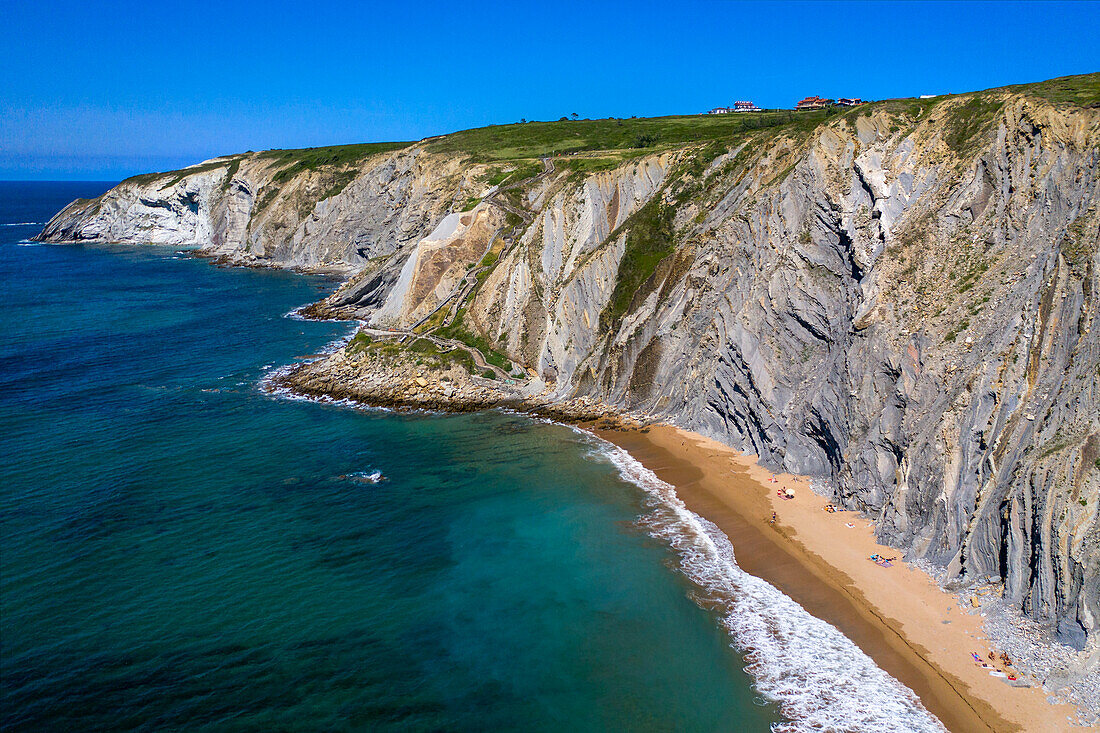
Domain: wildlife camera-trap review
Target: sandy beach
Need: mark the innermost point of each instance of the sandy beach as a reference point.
(897, 615)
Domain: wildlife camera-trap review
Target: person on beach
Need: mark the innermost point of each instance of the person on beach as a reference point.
(773, 518)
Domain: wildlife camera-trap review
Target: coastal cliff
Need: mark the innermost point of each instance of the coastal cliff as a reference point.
(899, 300)
(319, 210)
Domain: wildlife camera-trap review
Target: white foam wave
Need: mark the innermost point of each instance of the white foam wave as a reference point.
(269, 385)
(22, 224)
(364, 477)
(296, 315)
(820, 679)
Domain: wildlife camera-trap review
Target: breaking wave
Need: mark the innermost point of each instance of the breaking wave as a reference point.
(269, 384)
(295, 314)
(365, 477)
(819, 678)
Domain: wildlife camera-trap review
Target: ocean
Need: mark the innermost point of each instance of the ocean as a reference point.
(183, 550)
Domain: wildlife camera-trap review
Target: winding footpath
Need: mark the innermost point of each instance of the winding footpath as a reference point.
(445, 345)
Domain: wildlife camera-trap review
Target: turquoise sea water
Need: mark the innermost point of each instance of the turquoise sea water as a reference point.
(181, 551)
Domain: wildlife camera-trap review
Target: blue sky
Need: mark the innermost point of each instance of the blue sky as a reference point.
(92, 90)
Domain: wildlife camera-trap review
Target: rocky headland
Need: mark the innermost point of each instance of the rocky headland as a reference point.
(425, 377)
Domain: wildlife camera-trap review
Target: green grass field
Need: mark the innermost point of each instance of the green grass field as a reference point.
(621, 139)
(1082, 90)
(294, 161)
(536, 139)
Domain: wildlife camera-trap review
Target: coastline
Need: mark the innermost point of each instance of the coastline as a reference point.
(898, 616)
(917, 632)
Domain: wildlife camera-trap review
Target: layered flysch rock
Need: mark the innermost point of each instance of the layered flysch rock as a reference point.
(901, 302)
(329, 218)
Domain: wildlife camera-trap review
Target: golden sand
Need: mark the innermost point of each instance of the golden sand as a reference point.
(897, 615)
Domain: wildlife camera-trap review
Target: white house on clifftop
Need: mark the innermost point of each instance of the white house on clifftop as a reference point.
(737, 107)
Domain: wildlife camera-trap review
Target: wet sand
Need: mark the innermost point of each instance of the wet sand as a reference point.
(896, 615)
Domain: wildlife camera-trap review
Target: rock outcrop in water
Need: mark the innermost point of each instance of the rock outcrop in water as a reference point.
(900, 300)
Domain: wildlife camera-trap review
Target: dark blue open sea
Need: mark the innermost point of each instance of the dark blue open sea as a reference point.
(182, 551)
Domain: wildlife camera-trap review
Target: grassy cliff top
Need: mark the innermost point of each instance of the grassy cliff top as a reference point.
(1081, 90)
(536, 139)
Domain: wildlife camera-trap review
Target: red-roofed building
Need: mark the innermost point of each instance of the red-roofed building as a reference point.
(813, 103)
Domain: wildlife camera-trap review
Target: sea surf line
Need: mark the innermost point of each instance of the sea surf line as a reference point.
(820, 679)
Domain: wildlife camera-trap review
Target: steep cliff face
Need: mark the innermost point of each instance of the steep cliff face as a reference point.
(264, 209)
(900, 300)
(914, 323)
(543, 301)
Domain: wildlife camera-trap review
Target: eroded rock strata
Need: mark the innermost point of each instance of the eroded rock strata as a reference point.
(900, 300)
